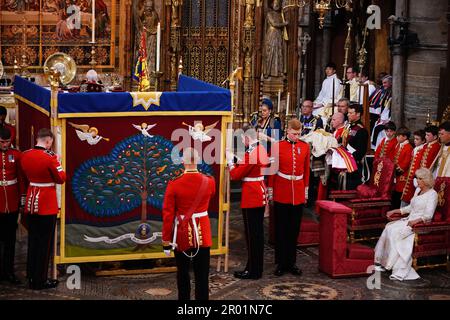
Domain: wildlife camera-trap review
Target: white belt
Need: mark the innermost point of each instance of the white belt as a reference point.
(4, 183)
(42, 185)
(290, 177)
(194, 216)
(253, 179)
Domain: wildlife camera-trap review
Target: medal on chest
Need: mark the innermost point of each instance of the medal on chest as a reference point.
(11, 158)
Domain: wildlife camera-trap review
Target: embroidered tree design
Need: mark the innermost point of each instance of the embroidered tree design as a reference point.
(136, 173)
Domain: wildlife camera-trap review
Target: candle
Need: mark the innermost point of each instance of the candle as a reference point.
(287, 103)
(93, 22)
(279, 101)
(158, 45)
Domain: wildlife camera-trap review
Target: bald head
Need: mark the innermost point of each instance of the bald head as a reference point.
(337, 120)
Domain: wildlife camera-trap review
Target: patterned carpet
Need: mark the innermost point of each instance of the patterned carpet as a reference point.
(312, 285)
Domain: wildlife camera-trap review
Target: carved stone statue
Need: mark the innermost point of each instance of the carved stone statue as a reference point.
(146, 20)
(274, 58)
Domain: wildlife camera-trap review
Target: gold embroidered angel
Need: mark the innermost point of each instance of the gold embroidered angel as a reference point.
(199, 132)
(87, 133)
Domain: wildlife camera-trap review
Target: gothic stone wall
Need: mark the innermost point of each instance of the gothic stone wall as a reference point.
(428, 20)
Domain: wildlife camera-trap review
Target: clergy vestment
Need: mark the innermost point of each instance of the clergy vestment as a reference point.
(323, 102)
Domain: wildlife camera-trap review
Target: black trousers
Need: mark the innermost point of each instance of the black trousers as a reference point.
(201, 273)
(8, 228)
(287, 227)
(254, 236)
(41, 230)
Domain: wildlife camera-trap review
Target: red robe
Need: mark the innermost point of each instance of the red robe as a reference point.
(402, 161)
(41, 166)
(293, 159)
(254, 193)
(12, 185)
(386, 148)
(425, 158)
(187, 195)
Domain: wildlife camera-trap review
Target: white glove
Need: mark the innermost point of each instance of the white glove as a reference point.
(230, 157)
(306, 193)
(270, 194)
(167, 252)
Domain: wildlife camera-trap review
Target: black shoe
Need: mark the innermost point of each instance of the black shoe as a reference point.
(278, 272)
(49, 284)
(246, 275)
(295, 271)
(12, 279)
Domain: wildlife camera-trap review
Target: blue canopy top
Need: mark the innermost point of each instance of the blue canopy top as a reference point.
(192, 95)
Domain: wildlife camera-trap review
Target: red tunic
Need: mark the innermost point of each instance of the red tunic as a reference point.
(250, 171)
(293, 160)
(43, 172)
(402, 161)
(12, 185)
(186, 196)
(386, 148)
(425, 158)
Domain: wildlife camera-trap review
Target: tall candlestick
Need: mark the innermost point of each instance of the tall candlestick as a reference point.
(158, 45)
(279, 101)
(287, 104)
(93, 22)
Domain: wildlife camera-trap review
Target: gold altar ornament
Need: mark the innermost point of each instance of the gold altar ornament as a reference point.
(64, 64)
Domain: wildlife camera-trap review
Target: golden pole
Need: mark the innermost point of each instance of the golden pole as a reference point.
(347, 47)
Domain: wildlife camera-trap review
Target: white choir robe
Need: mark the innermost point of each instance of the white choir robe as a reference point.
(325, 96)
(394, 248)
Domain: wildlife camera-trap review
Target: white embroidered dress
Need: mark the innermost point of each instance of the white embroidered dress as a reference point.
(394, 248)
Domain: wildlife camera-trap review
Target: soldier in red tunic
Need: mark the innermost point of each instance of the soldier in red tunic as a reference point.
(387, 146)
(254, 200)
(425, 158)
(12, 197)
(402, 160)
(43, 170)
(3, 124)
(186, 226)
(288, 188)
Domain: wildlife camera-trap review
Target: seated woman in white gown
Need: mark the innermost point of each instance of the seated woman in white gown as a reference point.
(394, 248)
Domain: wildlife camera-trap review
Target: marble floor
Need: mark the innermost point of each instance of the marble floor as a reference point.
(312, 285)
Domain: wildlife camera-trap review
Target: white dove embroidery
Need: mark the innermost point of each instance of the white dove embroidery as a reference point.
(144, 128)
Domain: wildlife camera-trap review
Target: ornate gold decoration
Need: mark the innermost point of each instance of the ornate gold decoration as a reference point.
(62, 63)
(376, 178)
(2, 70)
(249, 13)
(77, 54)
(51, 50)
(362, 53)
(322, 7)
(347, 47)
(441, 195)
(146, 99)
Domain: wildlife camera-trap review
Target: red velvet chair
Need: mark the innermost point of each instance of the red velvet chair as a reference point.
(432, 239)
(337, 257)
(369, 202)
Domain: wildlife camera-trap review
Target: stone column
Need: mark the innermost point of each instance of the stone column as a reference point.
(398, 70)
(421, 90)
